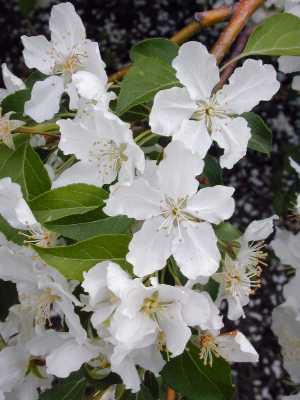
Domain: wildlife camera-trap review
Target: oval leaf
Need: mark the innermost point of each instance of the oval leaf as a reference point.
(73, 260)
(261, 134)
(160, 48)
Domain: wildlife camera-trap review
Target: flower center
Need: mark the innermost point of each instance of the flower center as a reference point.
(40, 236)
(44, 306)
(108, 156)
(208, 348)
(151, 305)
(209, 110)
(67, 66)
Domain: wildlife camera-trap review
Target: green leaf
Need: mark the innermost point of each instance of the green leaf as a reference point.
(261, 134)
(10, 233)
(24, 166)
(226, 232)
(145, 78)
(187, 375)
(15, 102)
(160, 48)
(276, 36)
(81, 227)
(34, 76)
(212, 171)
(73, 260)
(73, 199)
(72, 388)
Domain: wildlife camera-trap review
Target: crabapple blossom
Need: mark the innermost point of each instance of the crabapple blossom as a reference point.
(11, 82)
(17, 213)
(196, 114)
(241, 273)
(7, 126)
(177, 217)
(67, 53)
(105, 148)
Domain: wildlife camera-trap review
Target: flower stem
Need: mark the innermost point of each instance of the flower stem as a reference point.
(49, 129)
(70, 161)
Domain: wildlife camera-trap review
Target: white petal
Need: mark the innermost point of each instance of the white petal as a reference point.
(236, 347)
(68, 358)
(150, 359)
(103, 312)
(259, 229)
(235, 307)
(291, 289)
(13, 207)
(95, 64)
(89, 85)
(289, 64)
(15, 268)
(233, 136)
(197, 253)
(3, 94)
(71, 90)
(77, 137)
(38, 53)
(199, 310)
(285, 249)
(295, 165)
(72, 320)
(94, 282)
(178, 170)
(45, 342)
(129, 374)
(176, 332)
(11, 81)
(45, 99)
(118, 280)
(13, 365)
(139, 200)
(80, 173)
(248, 85)
(67, 29)
(195, 137)
(213, 204)
(170, 108)
(196, 69)
(149, 248)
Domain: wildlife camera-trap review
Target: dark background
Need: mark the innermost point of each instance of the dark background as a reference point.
(117, 25)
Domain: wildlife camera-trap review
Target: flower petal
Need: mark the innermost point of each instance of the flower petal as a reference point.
(213, 204)
(170, 108)
(197, 252)
(236, 347)
(38, 53)
(13, 366)
(233, 136)
(45, 99)
(289, 64)
(11, 81)
(178, 170)
(194, 136)
(259, 229)
(248, 85)
(149, 248)
(196, 69)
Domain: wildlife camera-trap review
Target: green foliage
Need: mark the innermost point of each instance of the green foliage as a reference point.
(73, 199)
(81, 227)
(160, 48)
(10, 233)
(15, 102)
(226, 232)
(261, 134)
(188, 375)
(24, 166)
(212, 171)
(71, 388)
(73, 260)
(276, 36)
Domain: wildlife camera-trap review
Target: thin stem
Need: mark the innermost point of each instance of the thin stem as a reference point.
(242, 12)
(68, 163)
(49, 129)
(204, 19)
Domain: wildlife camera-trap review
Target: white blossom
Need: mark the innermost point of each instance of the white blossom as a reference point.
(105, 148)
(196, 114)
(177, 218)
(7, 126)
(11, 82)
(67, 53)
(17, 213)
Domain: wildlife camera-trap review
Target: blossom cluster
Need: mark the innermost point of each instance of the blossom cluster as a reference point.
(136, 319)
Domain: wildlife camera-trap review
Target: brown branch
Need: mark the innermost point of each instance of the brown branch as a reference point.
(203, 19)
(242, 12)
(171, 394)
(239, 47)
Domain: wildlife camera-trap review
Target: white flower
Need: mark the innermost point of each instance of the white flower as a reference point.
(7, 126)
(288, 65)
(232, 346)
(67, 53)
(196, 115)
(286, 247)
(17, 213)
(241, 276)
(286, 325)
(177, 218)
(105, 147)
(43, 292)
(11, 82)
